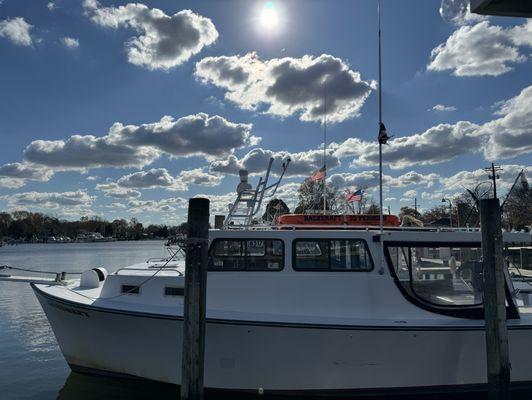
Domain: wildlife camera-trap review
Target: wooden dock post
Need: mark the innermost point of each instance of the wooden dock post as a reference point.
(498, 362)
(195, 299)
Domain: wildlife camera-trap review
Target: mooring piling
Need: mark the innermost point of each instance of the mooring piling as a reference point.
(195, 300)
(498, 363)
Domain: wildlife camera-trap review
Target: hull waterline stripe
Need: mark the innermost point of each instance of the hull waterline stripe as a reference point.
(275, 324)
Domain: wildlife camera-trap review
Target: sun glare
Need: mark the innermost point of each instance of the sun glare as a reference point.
(269, 17)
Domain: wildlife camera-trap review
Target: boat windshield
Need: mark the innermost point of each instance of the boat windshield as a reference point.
(439, 274)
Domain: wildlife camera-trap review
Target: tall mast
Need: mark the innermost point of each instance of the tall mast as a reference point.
(325, 148)
(383, 137)
(381, 218)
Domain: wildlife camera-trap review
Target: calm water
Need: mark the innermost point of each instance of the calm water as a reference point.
(31, 364)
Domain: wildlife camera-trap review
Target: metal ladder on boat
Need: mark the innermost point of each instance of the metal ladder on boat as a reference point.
(249, 201)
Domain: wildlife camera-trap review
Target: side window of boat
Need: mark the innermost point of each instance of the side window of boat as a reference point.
(246, 254)
(331, 255)
(439, 275)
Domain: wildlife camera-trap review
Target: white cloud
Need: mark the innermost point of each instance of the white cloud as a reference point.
(11, 183)
(111, 189)
(437, 144)
(469, 179)
(50, 200)
(289, 86)
(15, 175)
(256, 161)
(70, 43)
(199, 177)
(370, 179)
(51, 6)
(137, 146)
(17, 30)
(443, 108)
(172, 204)
(151, 179)
(510, 135)
(164, 41)
(482, 49)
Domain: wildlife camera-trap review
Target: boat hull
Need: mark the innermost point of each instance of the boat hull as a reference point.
(279, 357)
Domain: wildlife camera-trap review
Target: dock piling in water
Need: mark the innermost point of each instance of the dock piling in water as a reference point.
(195, 300)
(498, 363)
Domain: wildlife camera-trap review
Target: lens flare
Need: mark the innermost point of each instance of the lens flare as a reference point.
(269, 16)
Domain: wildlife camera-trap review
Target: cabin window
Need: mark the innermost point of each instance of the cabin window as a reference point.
(174, 291)
(130, 289)
(246, 254)
(331, 255)
(446, 275)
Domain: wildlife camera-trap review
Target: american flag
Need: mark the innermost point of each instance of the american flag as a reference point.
(351, 197)
(319, 174)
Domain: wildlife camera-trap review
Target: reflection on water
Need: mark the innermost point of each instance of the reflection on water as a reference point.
(85, 387)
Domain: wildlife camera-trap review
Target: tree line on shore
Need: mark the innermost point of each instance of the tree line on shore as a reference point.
(38, 227)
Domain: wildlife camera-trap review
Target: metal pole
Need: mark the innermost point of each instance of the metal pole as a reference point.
(381, 217)
(193, 353)
(497, 353)
(325, 150)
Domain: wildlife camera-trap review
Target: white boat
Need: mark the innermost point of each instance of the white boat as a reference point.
(311, 309)
(298, 311)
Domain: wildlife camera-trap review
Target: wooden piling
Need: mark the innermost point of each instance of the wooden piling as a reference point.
(195, 299)
(498, 363)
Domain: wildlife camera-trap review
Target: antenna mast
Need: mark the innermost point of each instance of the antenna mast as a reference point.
(383, 138)
(325, 148)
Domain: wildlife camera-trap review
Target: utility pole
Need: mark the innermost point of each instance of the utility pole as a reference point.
(494, 176)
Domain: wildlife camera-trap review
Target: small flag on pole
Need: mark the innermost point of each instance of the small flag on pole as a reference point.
(319, 174)
(351, 197)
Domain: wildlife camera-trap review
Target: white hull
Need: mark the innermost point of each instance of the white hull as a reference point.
(278, 357)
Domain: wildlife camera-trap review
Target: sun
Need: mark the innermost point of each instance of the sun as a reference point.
(269, 17)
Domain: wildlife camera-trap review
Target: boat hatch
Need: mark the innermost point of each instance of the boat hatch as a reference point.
(442, 277)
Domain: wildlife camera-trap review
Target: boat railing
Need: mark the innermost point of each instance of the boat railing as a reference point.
(145, 269)
(260, 227)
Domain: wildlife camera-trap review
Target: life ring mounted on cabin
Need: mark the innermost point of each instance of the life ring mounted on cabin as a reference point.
(307, 220)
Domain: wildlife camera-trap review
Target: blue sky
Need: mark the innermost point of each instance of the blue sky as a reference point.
(240, 81)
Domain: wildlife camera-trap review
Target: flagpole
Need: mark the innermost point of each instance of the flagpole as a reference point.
(325, 149)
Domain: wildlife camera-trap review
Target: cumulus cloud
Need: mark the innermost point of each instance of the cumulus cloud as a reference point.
(151, 179)
(443, 108)
(51, 200)
(470, 179)
(482, 49)
(370, 179)
(198, 176)
(17, 30)
(15, 175)
(111, 189)
(172, 204)
(510, 135)
(256, 161)
(289, 86)
(437, 144)
(11, 183)
(70, 43)
(51, 6)
(137, 146)
(164, 41)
